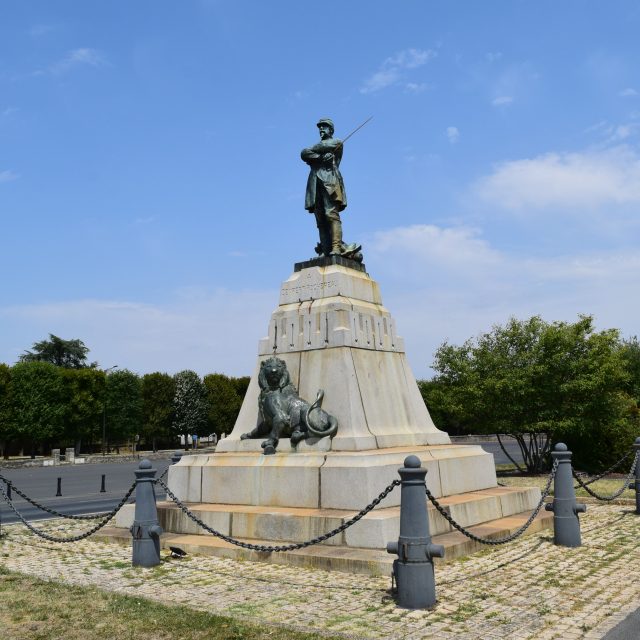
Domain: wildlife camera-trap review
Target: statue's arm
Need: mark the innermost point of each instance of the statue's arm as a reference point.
(324, 151)
(310, 156)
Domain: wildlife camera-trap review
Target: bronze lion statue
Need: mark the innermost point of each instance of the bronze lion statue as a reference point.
(283, 413)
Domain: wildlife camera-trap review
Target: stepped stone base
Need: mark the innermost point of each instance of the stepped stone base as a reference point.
(317, 479)
(489, 513)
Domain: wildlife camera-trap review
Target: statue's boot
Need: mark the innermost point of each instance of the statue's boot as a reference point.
(336, 237)
(324, 245)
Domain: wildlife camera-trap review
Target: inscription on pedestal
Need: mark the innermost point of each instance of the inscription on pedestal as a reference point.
(310, 291)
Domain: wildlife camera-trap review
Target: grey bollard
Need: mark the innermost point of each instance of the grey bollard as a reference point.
(176, 457)
(566, 524)
(59, 488)
(636, 483)
(413, 570)
(146, 529)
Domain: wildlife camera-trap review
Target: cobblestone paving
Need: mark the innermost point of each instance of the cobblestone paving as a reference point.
(526, 589)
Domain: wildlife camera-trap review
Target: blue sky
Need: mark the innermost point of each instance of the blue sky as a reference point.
(152, 193)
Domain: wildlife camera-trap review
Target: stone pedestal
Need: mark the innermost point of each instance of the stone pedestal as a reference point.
(334, 333)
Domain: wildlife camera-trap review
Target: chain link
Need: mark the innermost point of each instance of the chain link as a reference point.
(614, 495)
(287, 547)
(604, 473)
(53, 512)
(496, 541)
(163, 474)
(109, 515)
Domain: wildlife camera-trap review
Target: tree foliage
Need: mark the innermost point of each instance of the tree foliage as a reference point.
(6, 414)
(158, 391)
(38, 401)
(85, 396)
(540, 382)
(223, 402)
(70, 354)
(123, 409)
(190, 404)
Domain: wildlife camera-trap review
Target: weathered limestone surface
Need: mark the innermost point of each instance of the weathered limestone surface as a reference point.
(291, 524)
(325, 479)
(333, 332)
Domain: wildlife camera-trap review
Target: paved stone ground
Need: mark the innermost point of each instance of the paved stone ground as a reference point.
(526, 589)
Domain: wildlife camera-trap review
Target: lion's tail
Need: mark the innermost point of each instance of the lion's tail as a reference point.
(331, 430)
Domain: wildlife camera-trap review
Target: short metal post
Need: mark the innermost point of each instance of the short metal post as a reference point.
(146, 529)
(9, 490)
(102, 484)
(59, 490)
(566, 524)
(636, 483)
(413, 570)
(176, 457)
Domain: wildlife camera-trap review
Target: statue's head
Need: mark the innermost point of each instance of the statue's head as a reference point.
(325, 127)
(273, 374)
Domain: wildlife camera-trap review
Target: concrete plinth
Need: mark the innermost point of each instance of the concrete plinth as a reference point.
(334, 333)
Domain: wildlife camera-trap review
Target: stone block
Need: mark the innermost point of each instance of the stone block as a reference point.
(124, 518)
(172, 519)
(286, 525)
(254, 479)
(185, 478)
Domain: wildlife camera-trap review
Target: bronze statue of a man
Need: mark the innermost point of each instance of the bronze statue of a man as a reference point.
(326, 196)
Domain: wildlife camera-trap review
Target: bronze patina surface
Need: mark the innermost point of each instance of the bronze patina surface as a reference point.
(326, 196)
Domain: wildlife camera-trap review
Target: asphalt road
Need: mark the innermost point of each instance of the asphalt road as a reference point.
(80, 488)
(498, 455)
(628, 629)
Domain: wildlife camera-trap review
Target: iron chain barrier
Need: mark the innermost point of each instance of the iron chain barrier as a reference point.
(53, 512)
(497, 541)
(45, 536)
(286, 547)
(617, 493)
(604, 473)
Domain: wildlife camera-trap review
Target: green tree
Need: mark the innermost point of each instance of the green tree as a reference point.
(223, 402)
(190, 405)
(123, 407)
(70, 354)
(7, 431)
(631, 355)
(540, 382)
(158, 392)
(38, 401)
(241, 384)
(85, 396)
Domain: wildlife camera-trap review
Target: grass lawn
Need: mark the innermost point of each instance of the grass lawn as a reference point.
(35, 609)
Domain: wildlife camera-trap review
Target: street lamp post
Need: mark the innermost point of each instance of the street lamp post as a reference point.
(104, 415)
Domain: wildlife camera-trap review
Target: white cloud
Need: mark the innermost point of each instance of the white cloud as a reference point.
(393, 68)
(628, 92)
(568, 180)
(449, 283)
(453, 134)
(204, 331)
(8, 111)
(456, 248)
(8, 176)
(416, 87)
(381, 80)
(493, 56)
(79, 57)
(502, 101)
